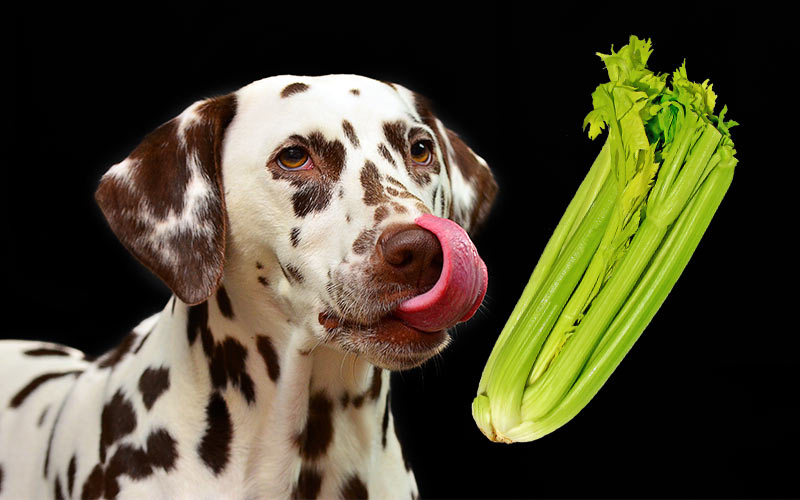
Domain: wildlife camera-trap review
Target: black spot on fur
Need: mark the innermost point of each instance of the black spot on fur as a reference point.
(267, 351)
(111, 359)
(215, 447)
(153, 383)
(34, 384)
(224, 303)
(353, 489)
(117, 420)
(144, 339)
(42, 416)
(294, 273)
(294, 236)
(228, 365)
(94, 485)
(197, 321)
(46, 351)
(293, 88)
(318, 432)
(308, 484)
(71, 469)
(385, 422)
(374, 390)
(58, 493)
(263, 281)
(162, 449)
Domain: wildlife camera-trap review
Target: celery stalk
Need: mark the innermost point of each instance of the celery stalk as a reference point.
(617, 252)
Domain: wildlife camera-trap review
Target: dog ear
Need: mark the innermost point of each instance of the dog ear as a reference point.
(471, 181)
(165, 200)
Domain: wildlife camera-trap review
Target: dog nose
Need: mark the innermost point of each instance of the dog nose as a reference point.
(410, 255)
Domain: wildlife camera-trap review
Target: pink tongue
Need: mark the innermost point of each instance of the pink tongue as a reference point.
(460, 289)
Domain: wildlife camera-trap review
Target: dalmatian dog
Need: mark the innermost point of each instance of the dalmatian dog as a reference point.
(314, 232)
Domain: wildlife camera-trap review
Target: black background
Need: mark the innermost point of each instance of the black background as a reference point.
(705, 405)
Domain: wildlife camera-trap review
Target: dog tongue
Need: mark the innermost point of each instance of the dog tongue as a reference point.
(460, 289)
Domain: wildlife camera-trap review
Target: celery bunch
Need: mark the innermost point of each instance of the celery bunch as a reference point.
(621, 245)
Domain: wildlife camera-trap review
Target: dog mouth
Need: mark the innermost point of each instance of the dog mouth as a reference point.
(388, 342)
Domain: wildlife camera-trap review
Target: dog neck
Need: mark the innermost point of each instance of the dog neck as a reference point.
(282, 416)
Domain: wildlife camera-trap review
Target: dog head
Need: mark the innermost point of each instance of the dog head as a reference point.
(330, 195)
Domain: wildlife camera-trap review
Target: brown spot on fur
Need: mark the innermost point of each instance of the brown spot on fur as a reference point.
(42, 416)
(317, 435)
(138, 463)
(153, 383)
(270, 356)
(395, 134)
(34, 384)
(355, 91)
(385, 421)
(308, 484)
(386, 154)
(371, 182)
(354, 489)
(293, 88)
(350, 133)
(380, 214)
(294, 236)
(263, 281)
(374, 391)
(365, 241)
(215, 446)
(162, 449)
(224, 303)
(117, 420)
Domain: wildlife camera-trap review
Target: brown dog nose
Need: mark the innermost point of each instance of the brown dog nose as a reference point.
(410, 255)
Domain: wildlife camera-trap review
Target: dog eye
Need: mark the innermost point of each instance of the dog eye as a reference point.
(295, 158)
(422, 152)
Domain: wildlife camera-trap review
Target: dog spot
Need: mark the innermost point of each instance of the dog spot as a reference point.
(267, 351)
(309, 482)
(162, 449)
(215, 446)
(145, 337)
(117, 420)
(380, 214)
(46, 351)
(58, 493)
(353, 489)
(371, 182)
(228, 365)
(350, 133)
(71, 469)
(197, 322)
(153, 383)
(365, 241)
(263, 281)
(294, 236)
(395, 134)
(355, 92)
(128, 460)
(317, 435)
(114, 357)
(294, 273)
(34, 384)
(42, 416)
(293, 88)
(259, 265)
(385, 421)
(224, 303)
(374, 390)
(386, 154)
(94, 484)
